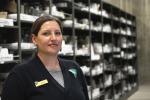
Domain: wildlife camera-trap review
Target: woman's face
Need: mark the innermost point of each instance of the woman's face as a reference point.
(49, 38)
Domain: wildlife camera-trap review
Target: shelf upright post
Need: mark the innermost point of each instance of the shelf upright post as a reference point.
(136, 52)
(73, 30)
(102, 41)
(126, 51)
(50, 6)
(112, 52)
(102, 36)
(134, 62)
(121, 63)
(19, 31)
(90, 43)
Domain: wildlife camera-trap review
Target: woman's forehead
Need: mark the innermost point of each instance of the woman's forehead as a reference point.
(50, 25)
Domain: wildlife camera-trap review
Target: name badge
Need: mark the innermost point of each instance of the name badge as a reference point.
(40, 83)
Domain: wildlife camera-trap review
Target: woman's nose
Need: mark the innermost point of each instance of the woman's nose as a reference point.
(53, 36)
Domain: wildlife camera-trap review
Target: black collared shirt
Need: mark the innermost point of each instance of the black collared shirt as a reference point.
(32, 81)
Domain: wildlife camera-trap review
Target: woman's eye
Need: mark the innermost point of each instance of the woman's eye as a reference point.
(46, 33)
(57, 33)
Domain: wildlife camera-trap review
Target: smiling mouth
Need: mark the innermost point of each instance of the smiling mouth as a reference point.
(53, 45)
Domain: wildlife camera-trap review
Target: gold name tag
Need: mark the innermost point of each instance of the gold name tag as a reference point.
(40, 83)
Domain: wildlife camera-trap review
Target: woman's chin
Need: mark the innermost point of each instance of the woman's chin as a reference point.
(52, 52)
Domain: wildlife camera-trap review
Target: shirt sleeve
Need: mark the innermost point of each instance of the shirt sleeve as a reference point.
(13, 88)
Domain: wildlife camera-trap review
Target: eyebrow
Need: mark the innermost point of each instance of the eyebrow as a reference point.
(50, 30)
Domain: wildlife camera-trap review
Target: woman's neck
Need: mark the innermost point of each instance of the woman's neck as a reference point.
(50, 62)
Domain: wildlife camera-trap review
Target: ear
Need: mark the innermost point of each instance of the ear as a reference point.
(34, 39)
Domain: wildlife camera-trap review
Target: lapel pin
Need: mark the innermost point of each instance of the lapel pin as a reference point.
(73, 71)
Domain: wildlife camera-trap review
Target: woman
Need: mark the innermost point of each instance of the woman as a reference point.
(46, 76)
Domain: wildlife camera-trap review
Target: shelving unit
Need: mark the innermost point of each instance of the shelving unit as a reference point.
(102, 40)
(9, 33)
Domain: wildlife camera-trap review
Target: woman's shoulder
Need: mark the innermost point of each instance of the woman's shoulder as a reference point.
(22, 67)
(69, 64)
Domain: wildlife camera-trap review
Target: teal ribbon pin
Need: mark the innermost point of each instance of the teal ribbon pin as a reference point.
(73, 71)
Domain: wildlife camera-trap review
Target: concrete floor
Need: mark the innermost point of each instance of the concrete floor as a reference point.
(143, 93)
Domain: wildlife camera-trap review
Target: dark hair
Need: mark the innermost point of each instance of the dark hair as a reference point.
(39, 21)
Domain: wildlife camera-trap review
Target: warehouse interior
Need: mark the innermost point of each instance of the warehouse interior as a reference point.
(138, 9)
